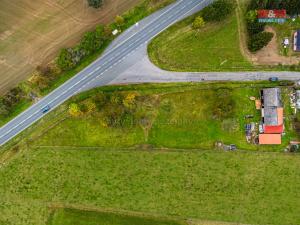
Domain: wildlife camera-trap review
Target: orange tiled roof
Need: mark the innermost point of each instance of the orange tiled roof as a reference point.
(270, 139)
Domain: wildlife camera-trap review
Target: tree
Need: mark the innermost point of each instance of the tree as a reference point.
(107, 31)
(129, 100)
(88, 42)
(198, 23)
(90, 106)
(3, 108)
(100, 100)
(260, 40)
(119, 20)
(74, 110)
(116, 98)
(251, 16)
(64, 60)
(218, 10)
(95, 3)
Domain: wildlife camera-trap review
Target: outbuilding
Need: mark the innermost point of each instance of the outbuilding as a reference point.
(297, 41)
(272, 117)
(270, 139)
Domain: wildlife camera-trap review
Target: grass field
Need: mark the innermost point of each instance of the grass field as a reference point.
(177, 119)
(82, 217)
(31, 33)
(250, 188)
(79, 162)
(216, 47)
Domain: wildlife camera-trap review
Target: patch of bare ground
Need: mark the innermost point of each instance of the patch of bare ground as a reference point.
(32, 32)
(269, 55)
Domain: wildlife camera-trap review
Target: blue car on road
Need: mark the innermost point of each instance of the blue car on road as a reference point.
(45, 109)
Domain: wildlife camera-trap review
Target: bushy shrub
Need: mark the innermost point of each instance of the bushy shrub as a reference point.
(11, 99)
(255, 27)
(92, 41)
(64, 59)
(260, 40)
(224, 105)
(198, 23)
(218, 11)
(95, 3)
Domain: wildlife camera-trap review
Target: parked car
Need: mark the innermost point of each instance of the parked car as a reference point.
(273, 79)
(45, 109)
(233, 147)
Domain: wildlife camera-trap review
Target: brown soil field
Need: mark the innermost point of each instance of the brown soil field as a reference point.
(32, 32)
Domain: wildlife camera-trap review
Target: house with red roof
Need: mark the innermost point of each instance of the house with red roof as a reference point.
(272, 116)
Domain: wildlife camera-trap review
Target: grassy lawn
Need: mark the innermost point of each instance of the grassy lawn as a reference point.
(284, 30)
(81, 217)
(250, 188)
(214, 48)
(177, 119)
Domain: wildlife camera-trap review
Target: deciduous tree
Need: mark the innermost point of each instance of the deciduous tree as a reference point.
(198, 23)
(74, 110)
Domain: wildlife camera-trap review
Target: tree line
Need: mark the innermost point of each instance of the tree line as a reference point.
(116, 109)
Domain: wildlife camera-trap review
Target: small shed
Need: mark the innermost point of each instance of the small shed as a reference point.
(258, 104)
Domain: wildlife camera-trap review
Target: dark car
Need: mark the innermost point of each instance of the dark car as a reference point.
(273, 79)
(45, 109)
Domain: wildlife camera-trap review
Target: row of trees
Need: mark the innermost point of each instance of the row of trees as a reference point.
(91, 42)
(115, 109)
(257, 37)
(218, 10)
(10, 100)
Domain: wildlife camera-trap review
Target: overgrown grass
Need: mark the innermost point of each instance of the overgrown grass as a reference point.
(215, 47)
(244, 187)
(178, 119)
(82, 217)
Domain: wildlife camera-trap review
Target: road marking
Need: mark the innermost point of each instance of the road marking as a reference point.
(96, 61)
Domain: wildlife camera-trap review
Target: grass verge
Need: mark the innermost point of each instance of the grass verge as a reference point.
(215, 47)
(241, 187)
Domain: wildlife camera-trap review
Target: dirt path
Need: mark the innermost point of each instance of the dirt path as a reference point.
(32, 32)
(269, 55)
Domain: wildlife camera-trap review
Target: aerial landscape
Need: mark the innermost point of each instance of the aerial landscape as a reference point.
(150, 112)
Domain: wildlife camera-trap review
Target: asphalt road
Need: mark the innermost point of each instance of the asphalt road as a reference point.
(143, 71)
(101, 68)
